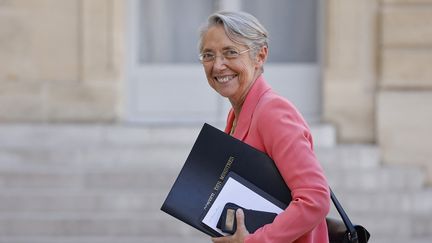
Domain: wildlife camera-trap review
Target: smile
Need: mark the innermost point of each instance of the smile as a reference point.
(225, 79)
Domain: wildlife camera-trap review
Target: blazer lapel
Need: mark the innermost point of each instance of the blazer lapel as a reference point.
(243, 123)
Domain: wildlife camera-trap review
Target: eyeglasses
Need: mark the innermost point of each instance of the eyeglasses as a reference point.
(226, 54)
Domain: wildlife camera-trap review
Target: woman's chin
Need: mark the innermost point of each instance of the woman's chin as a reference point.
(223, 94)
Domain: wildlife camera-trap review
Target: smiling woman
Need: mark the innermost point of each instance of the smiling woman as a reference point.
(231, 78)
(232, 74)
(233, 49)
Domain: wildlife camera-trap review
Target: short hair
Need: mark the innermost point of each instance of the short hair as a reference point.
(240, 27)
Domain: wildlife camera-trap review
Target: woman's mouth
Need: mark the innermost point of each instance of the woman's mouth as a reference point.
(224, 79)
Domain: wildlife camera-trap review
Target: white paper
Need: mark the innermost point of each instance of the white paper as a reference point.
(235, 192)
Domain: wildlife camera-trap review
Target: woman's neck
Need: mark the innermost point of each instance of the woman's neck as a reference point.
(238, 104)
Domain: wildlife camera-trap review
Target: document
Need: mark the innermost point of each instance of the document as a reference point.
(235, 192)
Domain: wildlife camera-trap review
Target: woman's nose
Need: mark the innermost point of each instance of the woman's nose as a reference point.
(219, 62)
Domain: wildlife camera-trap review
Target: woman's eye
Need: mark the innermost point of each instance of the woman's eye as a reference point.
(207, 55)
(231, 53)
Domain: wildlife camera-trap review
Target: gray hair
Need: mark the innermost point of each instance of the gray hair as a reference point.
(240, 27)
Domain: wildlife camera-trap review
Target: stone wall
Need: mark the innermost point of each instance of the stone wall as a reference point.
(377, 76)
(404, 104)
(60, 60)
(350, 69)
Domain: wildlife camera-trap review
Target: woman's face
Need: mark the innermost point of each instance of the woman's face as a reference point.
(230, 77)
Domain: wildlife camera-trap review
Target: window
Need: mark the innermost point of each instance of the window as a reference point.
(292, 25)
(168, 30)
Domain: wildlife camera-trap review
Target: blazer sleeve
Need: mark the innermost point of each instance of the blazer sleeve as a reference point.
(288, 141)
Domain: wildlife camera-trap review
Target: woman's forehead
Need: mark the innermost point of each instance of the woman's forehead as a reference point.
(216, 39)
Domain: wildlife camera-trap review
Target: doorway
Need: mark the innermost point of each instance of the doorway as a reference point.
(166, 83)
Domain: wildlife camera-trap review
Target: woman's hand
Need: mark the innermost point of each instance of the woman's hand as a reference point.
(239, 235)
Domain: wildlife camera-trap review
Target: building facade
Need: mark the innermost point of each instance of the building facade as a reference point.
(360, 65)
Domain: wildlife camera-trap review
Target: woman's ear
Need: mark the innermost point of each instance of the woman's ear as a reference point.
(261, 57)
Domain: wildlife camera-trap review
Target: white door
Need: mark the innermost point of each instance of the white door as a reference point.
(166, 82)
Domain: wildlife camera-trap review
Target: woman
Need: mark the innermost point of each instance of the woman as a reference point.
(233, 49)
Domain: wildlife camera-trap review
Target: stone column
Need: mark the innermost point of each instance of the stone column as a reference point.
(404, 107)
(61, 60)
(350, 69)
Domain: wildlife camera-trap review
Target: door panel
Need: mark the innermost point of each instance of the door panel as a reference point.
(174, 94)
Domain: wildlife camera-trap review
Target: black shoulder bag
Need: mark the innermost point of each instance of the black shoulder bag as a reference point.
(344, 231)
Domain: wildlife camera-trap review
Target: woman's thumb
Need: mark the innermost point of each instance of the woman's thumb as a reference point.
(240, 220)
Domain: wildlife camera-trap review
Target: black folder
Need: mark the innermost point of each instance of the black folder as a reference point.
(213, 155)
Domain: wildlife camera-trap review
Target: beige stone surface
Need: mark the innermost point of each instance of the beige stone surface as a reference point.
(119, 33)
(429, 174)
(406, 68)
(81, 102)
(21, 101)
(404, 127)
(408, 26)
(39, 40)
(350, 69)
(60, 60)
(349, 106)
(349, 36)
(97, 40)
(404, 114)
(103, 55)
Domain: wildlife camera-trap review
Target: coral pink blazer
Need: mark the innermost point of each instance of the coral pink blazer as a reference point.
(273, 125)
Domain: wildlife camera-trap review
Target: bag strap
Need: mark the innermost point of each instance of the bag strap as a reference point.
(352, 233)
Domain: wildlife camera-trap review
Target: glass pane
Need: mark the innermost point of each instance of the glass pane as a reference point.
(168, 30)
(292, 25)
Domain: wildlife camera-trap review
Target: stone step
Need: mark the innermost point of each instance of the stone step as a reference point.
(171, 156)
(394, 226)
(410, 202)
(389, 178)
(163, 155)
(88, 135)
(157, 224)
(162, 239)
(105, 239)
(95, 201)
(385, 178)
(386, 225)
(121, 178)
(96, 144)
(401, 221)
(401, 240)
(123, 201)
(56, 135)
(106, 183)
(349, 156)
(93, 224)
(390, 216)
